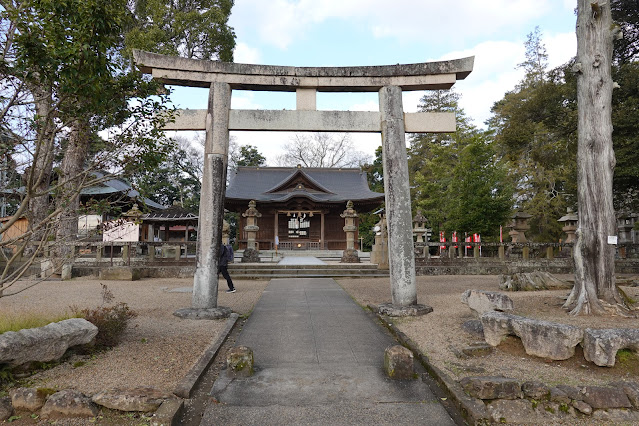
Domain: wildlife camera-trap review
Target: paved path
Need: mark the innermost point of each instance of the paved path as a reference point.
(318, 359)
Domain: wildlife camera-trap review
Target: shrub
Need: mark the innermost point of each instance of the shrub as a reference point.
(111, 322)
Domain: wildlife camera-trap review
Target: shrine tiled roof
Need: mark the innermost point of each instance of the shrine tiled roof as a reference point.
(280, 184)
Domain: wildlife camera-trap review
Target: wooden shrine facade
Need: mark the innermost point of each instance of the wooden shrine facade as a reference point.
(299, 207)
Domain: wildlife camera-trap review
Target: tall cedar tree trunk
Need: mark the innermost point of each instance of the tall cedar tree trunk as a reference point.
(42, 164)
(68, 198)
(595, 291)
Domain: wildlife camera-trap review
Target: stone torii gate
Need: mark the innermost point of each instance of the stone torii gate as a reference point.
(391, 120)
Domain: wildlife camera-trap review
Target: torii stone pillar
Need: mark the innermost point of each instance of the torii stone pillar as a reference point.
(211, 218)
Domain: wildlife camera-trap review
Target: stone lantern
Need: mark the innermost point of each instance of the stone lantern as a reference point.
(570, 221)
(350, 254)
(420, 231)
(519, 226)
(570, 225)
(251, 253)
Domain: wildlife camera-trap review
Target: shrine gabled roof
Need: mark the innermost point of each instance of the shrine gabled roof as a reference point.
(280, 184)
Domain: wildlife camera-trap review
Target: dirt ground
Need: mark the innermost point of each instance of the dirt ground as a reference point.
(158, 349)
(439, 333)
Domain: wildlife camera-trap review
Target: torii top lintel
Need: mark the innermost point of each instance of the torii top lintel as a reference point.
(201, 73)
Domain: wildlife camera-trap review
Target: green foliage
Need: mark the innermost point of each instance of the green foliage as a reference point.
(375, 172)
(535, 133)
(457, 180)
(249, 156)
(191, 29)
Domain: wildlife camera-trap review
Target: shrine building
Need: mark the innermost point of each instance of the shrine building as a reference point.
(300, 206)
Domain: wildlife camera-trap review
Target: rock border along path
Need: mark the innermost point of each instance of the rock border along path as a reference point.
(318, 359)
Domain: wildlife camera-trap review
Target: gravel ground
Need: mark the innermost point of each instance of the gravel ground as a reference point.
(439, 331)
(156, 350)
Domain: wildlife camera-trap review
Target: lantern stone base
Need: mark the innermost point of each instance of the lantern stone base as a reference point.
(204, 313)
(404, 311)
(350, 256)
(251, 256)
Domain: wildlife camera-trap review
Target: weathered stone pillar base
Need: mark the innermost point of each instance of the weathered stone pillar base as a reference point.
(239, 362)
(251, 256)
(398, 363)
(204, 313)
(392, 310)
(350, 256)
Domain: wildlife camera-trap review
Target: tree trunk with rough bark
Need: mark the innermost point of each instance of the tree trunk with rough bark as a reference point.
(68, 198)
(40, 173)
(595, 291)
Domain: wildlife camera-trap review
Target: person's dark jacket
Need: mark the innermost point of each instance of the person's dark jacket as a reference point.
(223, 261)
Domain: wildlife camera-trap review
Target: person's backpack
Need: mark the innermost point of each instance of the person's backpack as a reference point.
(229, 253)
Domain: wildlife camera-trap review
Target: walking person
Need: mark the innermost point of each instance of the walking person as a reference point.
(226, 254)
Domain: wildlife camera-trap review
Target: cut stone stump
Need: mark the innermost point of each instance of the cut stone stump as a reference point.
(398, 363)
(492, 387)
(144, 399)
(68, 403)
(535, 390)
(480, 301)
(540, 338)
(531, 281)
(239, 361)
(46, 343)
(392, 310)
(600, 397)
(601, 345)
(28, 399)
(631, 389)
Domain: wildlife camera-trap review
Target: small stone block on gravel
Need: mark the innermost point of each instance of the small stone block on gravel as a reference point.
(239, 361)
(6, 409)
(68, 403)
(480, 301)
(582, 407)
(28, 399)
(600, 397)
(492, 387)
(398, 363)
(535, 390)
(631, 389)
(478, 349)
(144, 399)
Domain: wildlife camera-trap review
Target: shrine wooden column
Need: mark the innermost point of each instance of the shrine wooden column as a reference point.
(323, 245)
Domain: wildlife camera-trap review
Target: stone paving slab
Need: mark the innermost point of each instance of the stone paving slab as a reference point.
(318, 358)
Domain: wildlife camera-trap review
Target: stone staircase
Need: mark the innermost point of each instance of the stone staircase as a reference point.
(272, 270)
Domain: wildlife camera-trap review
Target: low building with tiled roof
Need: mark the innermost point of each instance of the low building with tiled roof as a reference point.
(299, 206)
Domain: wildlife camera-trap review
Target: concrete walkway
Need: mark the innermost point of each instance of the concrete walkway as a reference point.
(318, 359)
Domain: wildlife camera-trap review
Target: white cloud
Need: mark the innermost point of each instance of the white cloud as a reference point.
(244, 54)
(280, 22)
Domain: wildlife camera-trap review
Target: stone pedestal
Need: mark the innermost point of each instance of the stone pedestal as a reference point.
(350, 254)
(398, 363)
(239, 361)
(250, 256)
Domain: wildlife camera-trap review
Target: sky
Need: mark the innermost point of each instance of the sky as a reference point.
(382, 32)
